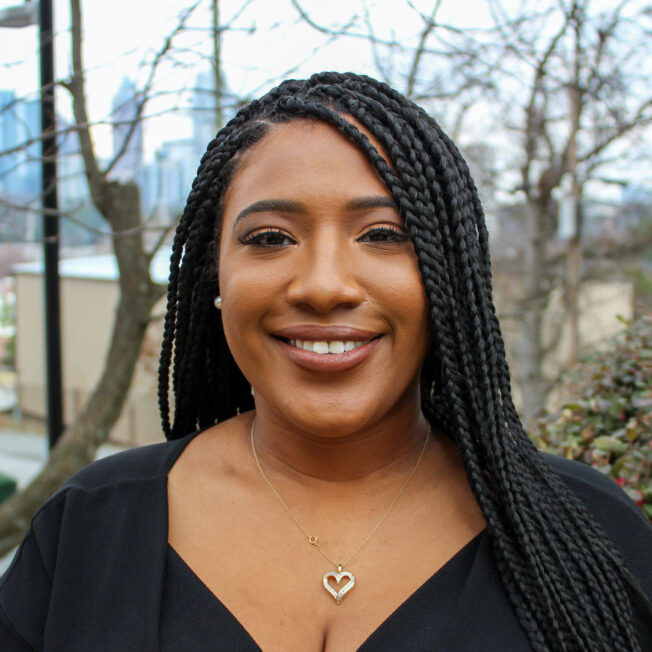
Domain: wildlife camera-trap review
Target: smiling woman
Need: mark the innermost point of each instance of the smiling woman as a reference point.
(345, 469)
(312, 238)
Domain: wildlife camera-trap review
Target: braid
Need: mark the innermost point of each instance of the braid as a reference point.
(567, 583)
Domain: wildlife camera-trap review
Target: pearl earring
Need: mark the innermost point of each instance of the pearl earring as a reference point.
(217, 302)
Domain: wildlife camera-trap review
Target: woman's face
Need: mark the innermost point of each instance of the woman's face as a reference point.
(323, 304)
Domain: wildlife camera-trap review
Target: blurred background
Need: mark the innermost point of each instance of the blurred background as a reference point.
(550, 101)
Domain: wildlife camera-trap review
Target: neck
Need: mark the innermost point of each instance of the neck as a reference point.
(331, 456)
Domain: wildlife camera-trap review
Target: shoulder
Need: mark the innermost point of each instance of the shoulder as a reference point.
(102, 533)
(128, 488)
(622, 520)
(133, 467)
(136, 464)
(114, 480)
(591, 485)
(598, 492)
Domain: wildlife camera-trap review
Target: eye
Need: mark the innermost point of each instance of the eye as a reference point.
(384, 234)
(268, 238)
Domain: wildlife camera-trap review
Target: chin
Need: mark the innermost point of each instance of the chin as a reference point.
(336, 418)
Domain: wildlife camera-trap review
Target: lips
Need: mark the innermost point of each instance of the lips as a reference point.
(324, 347)
(330, 333)
(327, 348)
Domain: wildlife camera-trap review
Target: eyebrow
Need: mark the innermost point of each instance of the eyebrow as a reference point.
(271, 205)
(370, 202)
(290, 206)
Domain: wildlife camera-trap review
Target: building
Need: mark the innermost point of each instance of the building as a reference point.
(203, 116)
(127, 127)
(89, 295)
(20, 148)
(20, 174)
(166, 182)
(203, 112)
(8, 139)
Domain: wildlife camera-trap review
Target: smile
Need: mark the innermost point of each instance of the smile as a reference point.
(325, 354)
(323, 347)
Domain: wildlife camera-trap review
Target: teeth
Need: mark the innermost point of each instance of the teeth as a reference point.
(320, 347)
(336, 347)
(323, 347)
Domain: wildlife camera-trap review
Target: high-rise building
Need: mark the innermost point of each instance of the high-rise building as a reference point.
(8, 140)
(166, 181)
(20, 148)
(29, 121)
(20, 175)
(203, 111)
(127, 127)
(204, 122)
(73, 187)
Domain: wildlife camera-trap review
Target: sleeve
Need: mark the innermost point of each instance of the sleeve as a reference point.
(26, 586)
(24, 599)
(10, 639)
(621, 519)
(623, 522)
(102, 535)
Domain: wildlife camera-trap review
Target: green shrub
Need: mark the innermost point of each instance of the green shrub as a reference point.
(606, 421)
(9, 359)
(7, 487)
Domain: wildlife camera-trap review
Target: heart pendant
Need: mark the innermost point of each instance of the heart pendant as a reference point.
(337, 576)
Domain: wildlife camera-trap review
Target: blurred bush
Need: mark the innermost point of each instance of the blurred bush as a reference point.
(606, 420)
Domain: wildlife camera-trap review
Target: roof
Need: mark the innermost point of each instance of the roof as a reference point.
(102, 267)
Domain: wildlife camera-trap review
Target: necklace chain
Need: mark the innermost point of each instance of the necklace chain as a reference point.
(312, 539)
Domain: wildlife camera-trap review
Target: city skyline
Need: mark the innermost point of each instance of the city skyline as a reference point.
(164, 181)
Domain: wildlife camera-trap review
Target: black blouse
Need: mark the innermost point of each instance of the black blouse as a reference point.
(462, 607)
(95, 573)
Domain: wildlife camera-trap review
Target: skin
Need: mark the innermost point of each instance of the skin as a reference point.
(335, 266)
(336, 443)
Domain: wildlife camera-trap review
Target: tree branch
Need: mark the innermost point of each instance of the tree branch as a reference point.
(76, 87)
(418, 54)
(145, 93)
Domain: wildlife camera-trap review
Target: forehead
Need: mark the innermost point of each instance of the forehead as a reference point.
(303, 156)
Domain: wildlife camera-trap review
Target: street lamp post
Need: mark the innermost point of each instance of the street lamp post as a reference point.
(19, 16)
(22, 16)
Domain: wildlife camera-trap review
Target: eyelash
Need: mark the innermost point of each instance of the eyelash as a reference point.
(390, 234)
(279, 238)
(262, 238)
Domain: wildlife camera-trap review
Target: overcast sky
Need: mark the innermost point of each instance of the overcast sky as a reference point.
(121, 34)
(269, 40)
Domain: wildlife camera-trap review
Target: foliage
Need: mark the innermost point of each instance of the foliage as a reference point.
(9, 358)
(607, 419)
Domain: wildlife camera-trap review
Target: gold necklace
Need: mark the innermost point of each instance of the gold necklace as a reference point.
(336, 576)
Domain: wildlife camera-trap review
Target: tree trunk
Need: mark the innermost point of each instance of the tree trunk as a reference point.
(217, 64)
(529, 346)
(103, 408)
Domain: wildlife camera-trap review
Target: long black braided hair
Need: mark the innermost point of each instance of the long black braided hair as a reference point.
(566, 581)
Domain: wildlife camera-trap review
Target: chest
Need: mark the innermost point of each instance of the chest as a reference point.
(256, 560)
(462, 607)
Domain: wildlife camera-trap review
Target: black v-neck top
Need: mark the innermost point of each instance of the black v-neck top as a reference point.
(462, 607)
(95, 574)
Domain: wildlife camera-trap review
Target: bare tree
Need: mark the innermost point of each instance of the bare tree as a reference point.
(119, 205)
(583, 95)
(566, 86)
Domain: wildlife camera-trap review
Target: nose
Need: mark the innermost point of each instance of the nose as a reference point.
(325, 278)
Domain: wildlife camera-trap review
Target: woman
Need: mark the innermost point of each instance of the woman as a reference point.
(360, 479)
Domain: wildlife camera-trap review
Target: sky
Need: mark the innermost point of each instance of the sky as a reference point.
(267, 41)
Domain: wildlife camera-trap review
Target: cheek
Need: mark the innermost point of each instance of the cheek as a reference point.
(411, 307)
(246, 298)
(401, 287)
